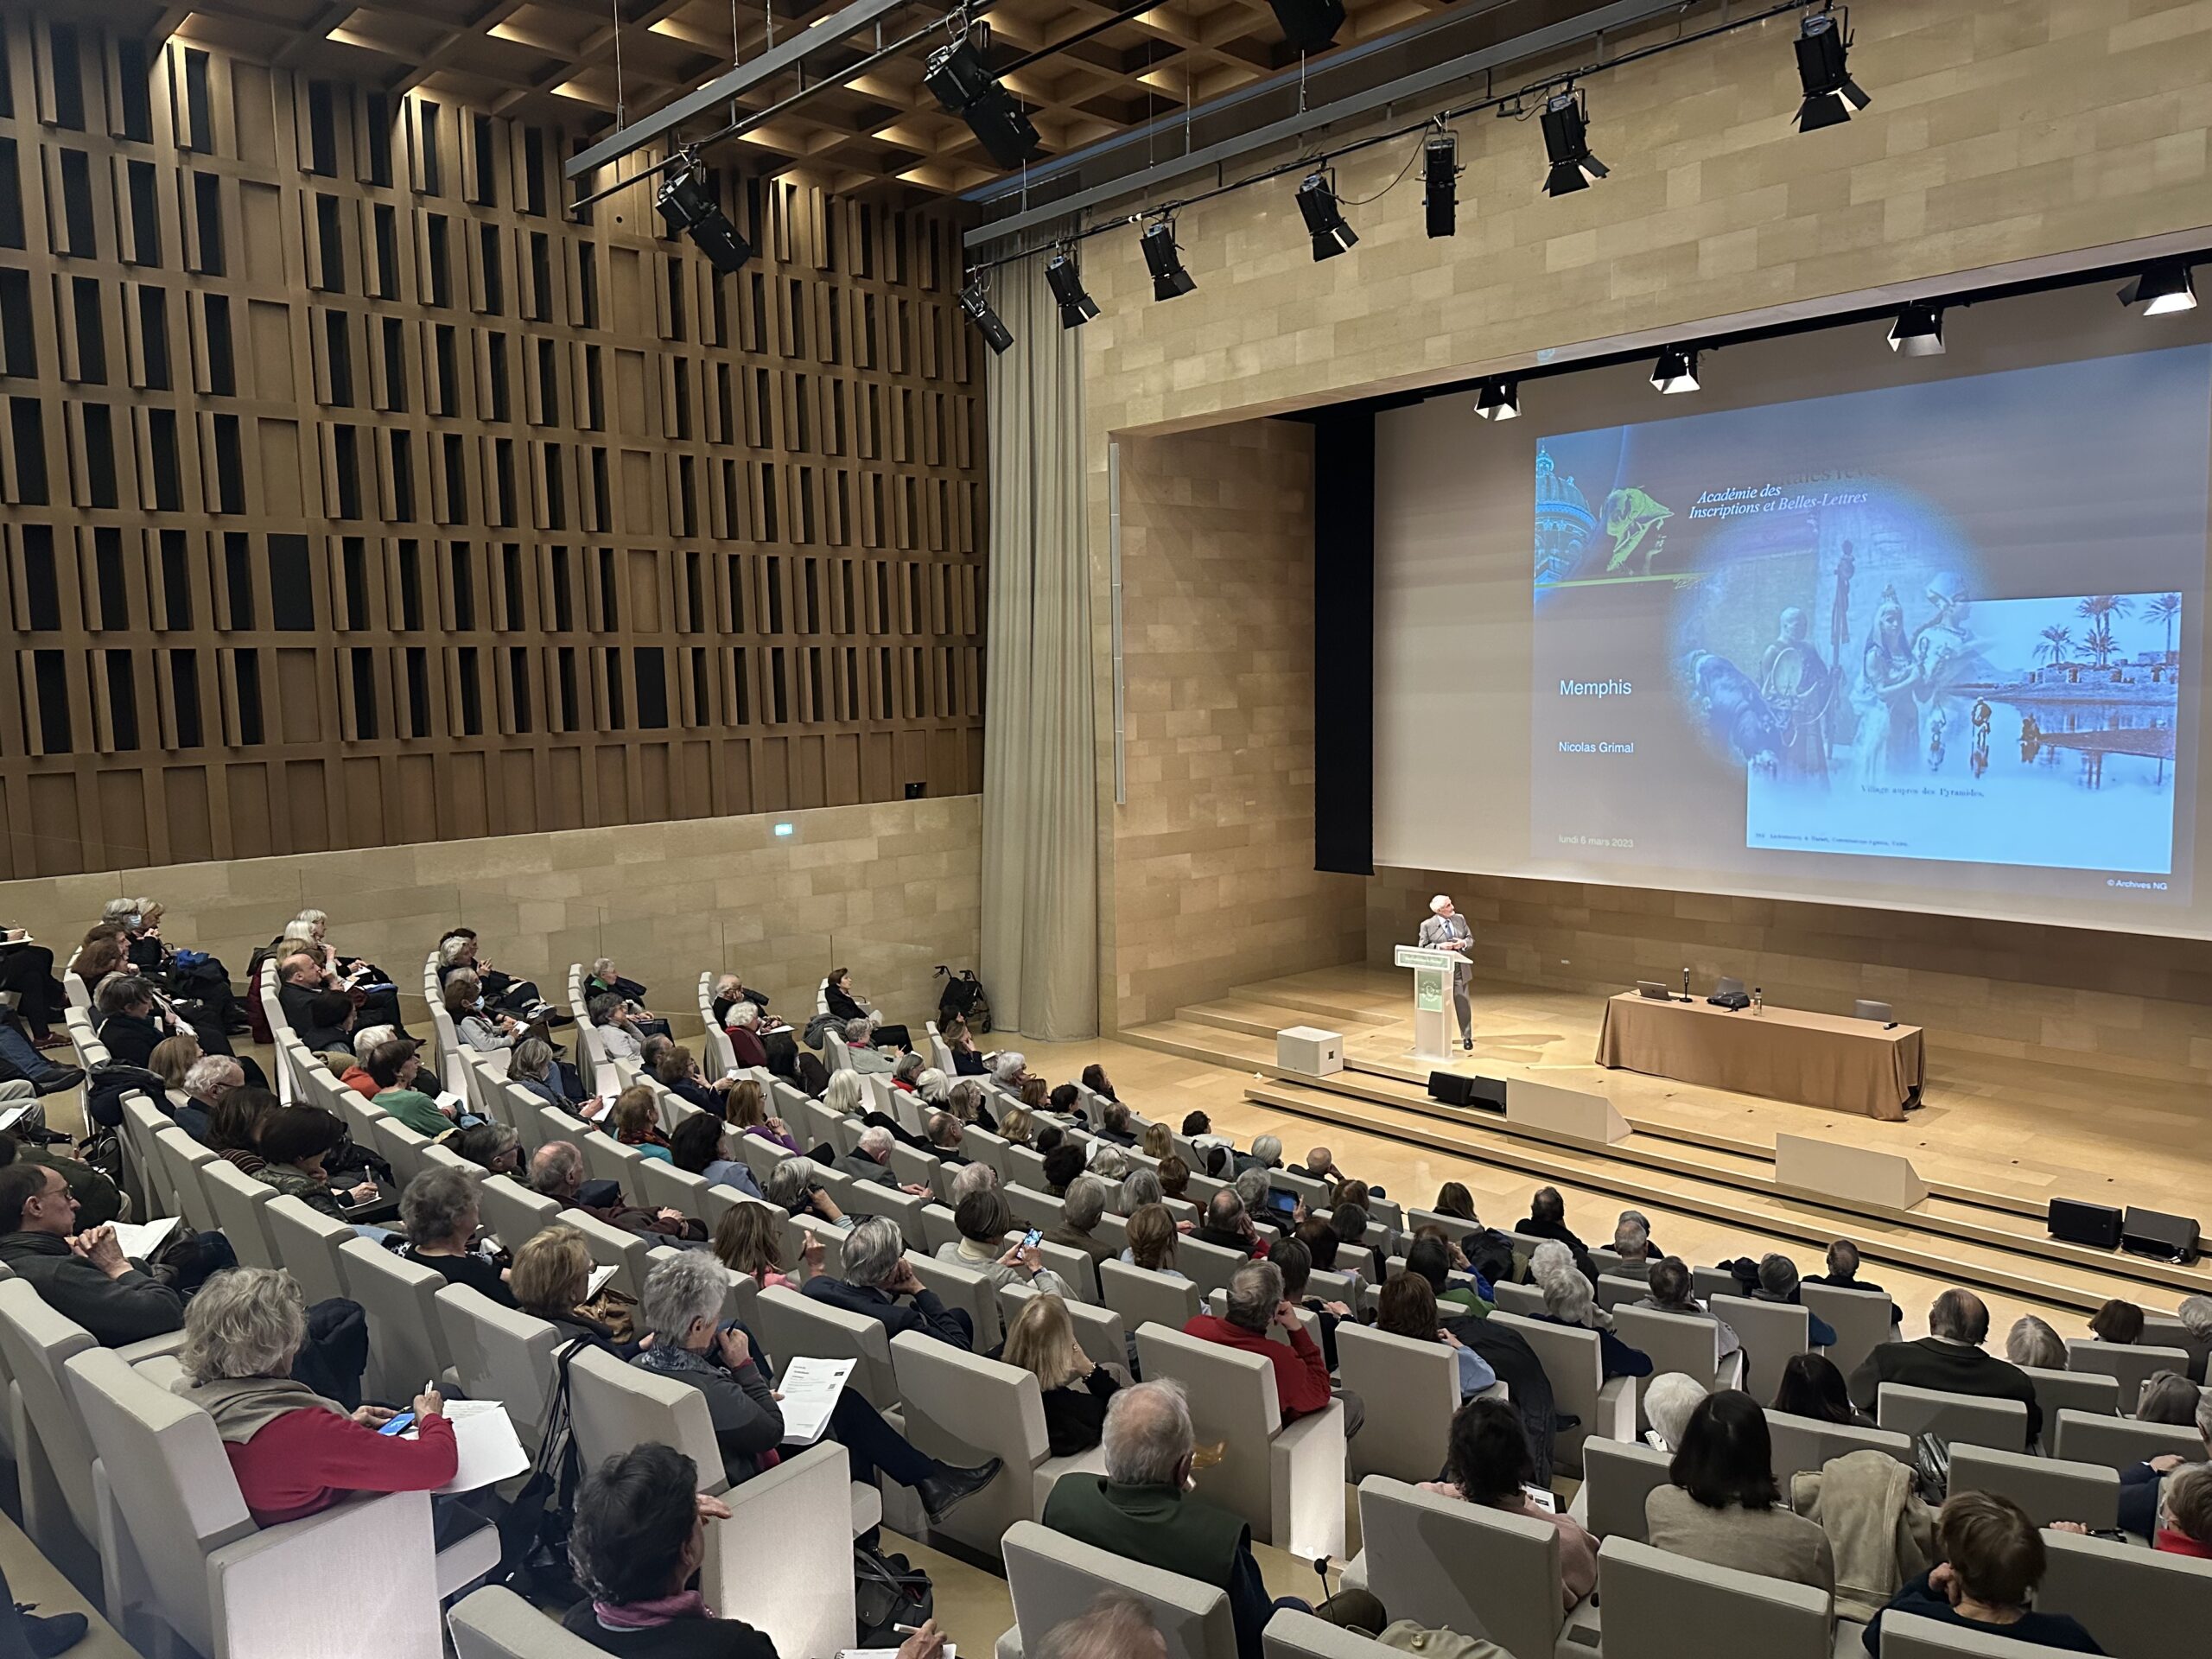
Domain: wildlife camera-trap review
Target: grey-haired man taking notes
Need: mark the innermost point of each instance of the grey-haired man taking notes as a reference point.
(1447, 929)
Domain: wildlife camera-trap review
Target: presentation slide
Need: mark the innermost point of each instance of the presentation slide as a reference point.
(1857, 630)
(1815, 627)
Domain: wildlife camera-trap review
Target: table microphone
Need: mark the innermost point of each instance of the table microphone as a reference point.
(1686, 986)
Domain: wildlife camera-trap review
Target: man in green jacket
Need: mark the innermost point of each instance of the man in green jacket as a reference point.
(393, 1068)
(1142, 1508)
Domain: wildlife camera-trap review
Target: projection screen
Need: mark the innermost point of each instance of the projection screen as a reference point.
(1914, 632)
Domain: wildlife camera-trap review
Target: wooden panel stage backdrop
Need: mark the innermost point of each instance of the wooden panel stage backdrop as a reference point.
(353, 494)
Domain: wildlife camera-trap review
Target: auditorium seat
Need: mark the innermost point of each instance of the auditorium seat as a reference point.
(963, 1287)
(1679, 1341)
(2047, 1488)
(2139, 1604)
(1525, 1300)
(494, 1623)
(1053, 1577)
(661, 1185)
(1210, 1267)
(1806, 1443)
(1293, 1634)
(792, 1325)
(1976, 1419)
(1467, 1567)
(182, 1555)
(610, 1246)
(512, 1211)
(183, 1160)
(401, 1146)
(1032, 1206)
(1619, 1290)
(2131, 1364)
(1663, 1606)
(964, 1409)
(1617, 1476)
(1910, 1635)
(310, 1246)
(500, 1353)
(407, 1342)
(938, 1228)
(2092, 1392)
(1286, 1479)
(53, 1449)
(1411, 1389)
(872, 1198)
(1862, 1321)
(236, 1199)
(1572, 1361)
(1773, 1334)
(2122, 1442)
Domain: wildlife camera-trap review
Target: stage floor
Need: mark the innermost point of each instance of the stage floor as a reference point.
(2028, 1132)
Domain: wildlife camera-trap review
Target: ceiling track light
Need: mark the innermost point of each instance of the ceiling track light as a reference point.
(964, 85)
(1566, 145)
(1440, 176)
(1498, 400)
(1831, 96)
(1309, 25)
(1160, 258)
(686, 201)
(975, 300)
(1919, 331)
(1677, 369)
(1064, 277)
(1317, 201)
(2163, 289)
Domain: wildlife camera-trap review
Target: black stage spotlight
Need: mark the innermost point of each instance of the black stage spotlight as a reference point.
(2162, 290)
(686, 201)
(1918, 332)
(1168, 277)
(1439, 178)
(1677, 369)
(1065, 277)
(1831, 95)
(1309, 24)
(1498, 400)
(977, 304)
(1317, 201)
(963, 83)
(1566, 142)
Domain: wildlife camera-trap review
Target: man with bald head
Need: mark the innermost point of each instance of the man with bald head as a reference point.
(1117, 1625)
(1949, 1357)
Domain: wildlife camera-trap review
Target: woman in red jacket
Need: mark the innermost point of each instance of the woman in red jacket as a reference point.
(294, 1452)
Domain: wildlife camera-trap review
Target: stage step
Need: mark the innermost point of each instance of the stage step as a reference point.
(1214, 1044)
(1264, 1017)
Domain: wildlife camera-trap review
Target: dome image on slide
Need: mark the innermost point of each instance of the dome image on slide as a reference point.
(1564, 523)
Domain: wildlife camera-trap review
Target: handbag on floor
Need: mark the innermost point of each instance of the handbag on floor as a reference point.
(888, 1591)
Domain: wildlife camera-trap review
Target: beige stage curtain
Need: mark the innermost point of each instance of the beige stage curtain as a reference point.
(1040, 807)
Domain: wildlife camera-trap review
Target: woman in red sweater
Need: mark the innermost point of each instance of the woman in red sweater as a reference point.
(294, 1452)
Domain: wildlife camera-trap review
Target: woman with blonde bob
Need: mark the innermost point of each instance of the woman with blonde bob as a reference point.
(1015, 1126)
(294, 1452)
(551, 1280)
(1074, 1387)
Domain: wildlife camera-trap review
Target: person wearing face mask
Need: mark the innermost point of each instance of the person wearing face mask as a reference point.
(1142, 1508)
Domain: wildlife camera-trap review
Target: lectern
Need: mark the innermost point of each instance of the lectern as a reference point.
(1432, 998)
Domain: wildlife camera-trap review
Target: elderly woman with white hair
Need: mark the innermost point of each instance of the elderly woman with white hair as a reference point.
(681, 1310)
(1446, 929)
(791, 1186)
(438, 1213)
(604, 978)
(1568, 1300)
(1669, 1400)
(880, 1283)
(741, 1025)
(1010, 1070)
(1081, 1211)
(294, 1452)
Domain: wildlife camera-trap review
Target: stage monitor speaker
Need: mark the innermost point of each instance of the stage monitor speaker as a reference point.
(2085, 1223)
(2152, 1232)
(1476, 1093)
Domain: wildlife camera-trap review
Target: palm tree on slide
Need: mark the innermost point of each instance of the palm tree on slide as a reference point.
(2057, 644)
(2102, 610)
(2164, 608)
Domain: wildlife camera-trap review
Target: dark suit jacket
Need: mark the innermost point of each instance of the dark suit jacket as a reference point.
(132, 1042)
(923, 1312)
(1954, 1367)
(861, 1168)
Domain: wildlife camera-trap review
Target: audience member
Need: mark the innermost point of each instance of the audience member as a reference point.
(1139, 1187)
(331, 1019)
(556, 1172)
(968, 1102)
(2033, 1342)
(2116, 1321)
(870, 1160)
(1175, 1179)
(1157, 1142)
(296, 1453)
(1142, 1510)
(1812, 1387)
(790, 1185)
(881, 1283)
(2138, 1483)
(99, 1200)
(970, 1177)
(1408, 1310)
(1229, 1226)
(1197, 1129)
(1256, 1305)
(1063, 1162)
(1295, 1263)
(984, 1221)
(1080, 1212)
(1548, 1219)
(1266, 1154)
(395, 1068)
(1075, 1387)
(478, 1023)
(294, 1142)
(1117, 1625)
(1722, 1505)
(637, 1538)
(1632, 1239)
(1153, 1237)
(1777, 1282)
(2196, 1315)
(2185, 1513)
(530, 1062)
(1568, 1300)
(1489, 1463)
(127, 1026)
(1669, 1400)
(943, 1133)
(1320, 1166)
(730, 990)
(615, 1026)
(696, 1146)
(1949, 1358)
(745, 1110)
(749, 1239)
(492, 1148)
(366, 1041)
(206, 1082)
(173, 1057)
(681, 1310)
(234, 1127)
(2167, 1397)
(80, 1275)
(1843, 1270)
(677, 1071)
(1453, 1199)
(635, 1121)
(1438, 1258)
(1992, 1560)
(1670, 1292)
(438, 1213)
(741, 1024)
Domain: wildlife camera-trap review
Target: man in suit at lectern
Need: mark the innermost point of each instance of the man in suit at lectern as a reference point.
(1447, 929)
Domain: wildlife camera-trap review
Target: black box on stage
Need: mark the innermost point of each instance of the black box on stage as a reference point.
(1481, 1094)
(2152, 1232)
(2085, 1223)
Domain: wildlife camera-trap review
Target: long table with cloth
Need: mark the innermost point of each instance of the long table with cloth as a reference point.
(1827, 1060)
